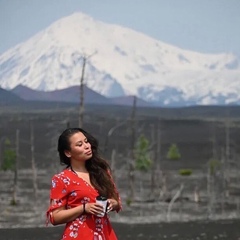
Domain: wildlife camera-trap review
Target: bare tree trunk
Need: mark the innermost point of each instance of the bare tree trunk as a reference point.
(161, 178)
(176, 196)
(227, 154)
(34, 170)
(196, 194)
(223, 193)
(113, 165)
(15, 180)
(81, 106)
(154, 163)
(214, 147)
(211, 192)
(210, 174)
(1, 150)
(164, 184)
(132, 157)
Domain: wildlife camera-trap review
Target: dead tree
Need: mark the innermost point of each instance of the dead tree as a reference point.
(2, 139)
(175, 197)
(15, 179)
(82, 84)
(226, 160)
(81, 106)
(210, 173)
(160, 176)
(33, 163)
(156, 174)
(154, 163)
(112, 165)
(132, 157)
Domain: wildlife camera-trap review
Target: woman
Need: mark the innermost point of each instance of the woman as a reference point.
(74, 190)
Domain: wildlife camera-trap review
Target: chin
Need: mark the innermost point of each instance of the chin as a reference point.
(89, 157)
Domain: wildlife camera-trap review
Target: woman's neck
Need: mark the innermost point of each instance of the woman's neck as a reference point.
(79, 168)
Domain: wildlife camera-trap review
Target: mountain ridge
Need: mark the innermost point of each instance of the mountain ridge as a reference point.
(72, 95)
(8, 97)
(120, 62)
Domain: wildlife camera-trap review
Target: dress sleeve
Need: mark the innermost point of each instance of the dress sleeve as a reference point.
(58, 195)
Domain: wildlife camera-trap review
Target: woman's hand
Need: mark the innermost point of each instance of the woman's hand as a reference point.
(94, 208)
(112, 204)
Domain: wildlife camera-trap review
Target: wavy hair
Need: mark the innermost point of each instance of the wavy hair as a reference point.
(97, 167)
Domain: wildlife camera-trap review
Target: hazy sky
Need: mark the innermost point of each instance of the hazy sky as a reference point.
(201, 25)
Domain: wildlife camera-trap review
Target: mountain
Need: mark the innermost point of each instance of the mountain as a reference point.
(128, 101)
(70, 94)
(8, 97)
(120, 61)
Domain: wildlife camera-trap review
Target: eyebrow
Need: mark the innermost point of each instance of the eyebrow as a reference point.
(80, 141)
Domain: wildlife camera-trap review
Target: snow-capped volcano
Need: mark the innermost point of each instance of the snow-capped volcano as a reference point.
(119, 61)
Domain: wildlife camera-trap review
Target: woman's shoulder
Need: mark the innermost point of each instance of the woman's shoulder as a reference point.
(62, 178)
(62, 175)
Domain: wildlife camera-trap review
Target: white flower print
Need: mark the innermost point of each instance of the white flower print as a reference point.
(73, 194)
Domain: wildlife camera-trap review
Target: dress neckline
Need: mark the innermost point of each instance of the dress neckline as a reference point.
(87, 183)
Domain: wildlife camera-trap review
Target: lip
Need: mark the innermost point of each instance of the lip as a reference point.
(89, 153)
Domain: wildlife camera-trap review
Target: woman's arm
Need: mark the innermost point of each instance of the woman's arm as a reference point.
(62, 215)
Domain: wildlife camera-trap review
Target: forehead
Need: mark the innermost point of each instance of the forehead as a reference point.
(76, 137)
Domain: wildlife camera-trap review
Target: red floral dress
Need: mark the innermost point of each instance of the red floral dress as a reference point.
(70, 190)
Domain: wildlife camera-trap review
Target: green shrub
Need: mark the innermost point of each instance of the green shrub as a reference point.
(143, 161)
(213, 164)
(128, 201)
(173, 152)
(185, 172)
(9, 157)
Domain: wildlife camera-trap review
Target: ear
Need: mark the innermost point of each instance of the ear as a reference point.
(67, 153)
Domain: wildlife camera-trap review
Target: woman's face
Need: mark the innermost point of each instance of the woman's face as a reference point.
(80, 148)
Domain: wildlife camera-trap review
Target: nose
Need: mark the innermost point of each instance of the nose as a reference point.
(86, 145)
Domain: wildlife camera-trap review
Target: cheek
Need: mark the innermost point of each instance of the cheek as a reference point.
(78, 151)
(81, 151)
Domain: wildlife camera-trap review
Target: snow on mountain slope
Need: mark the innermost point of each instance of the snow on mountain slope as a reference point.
(120, 61)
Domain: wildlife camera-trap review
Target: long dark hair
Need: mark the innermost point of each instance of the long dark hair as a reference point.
(98, 168)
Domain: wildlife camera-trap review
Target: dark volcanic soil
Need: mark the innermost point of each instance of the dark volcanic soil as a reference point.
(195, 137)
(228, 230)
